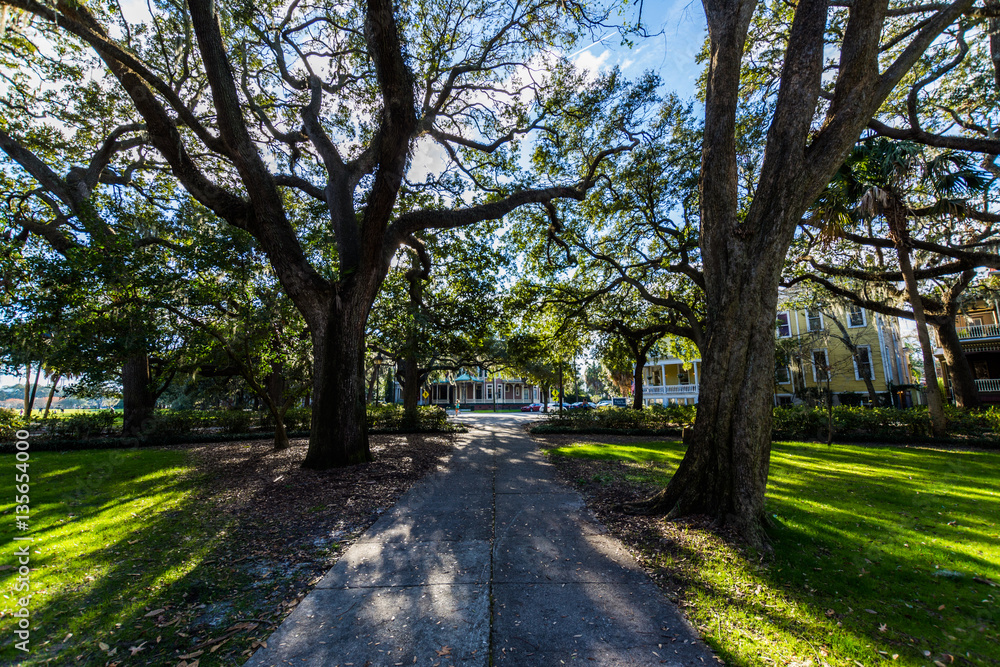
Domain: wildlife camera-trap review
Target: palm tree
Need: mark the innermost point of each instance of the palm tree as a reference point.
(872, 183)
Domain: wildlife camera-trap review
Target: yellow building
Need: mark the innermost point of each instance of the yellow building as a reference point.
(814, 353)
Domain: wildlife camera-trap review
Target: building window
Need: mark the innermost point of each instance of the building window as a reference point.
(489, 392)
(517, 391)
(784, 400)
(855, 316)
(784, 328)
(683, 377)
(479, 392)
(863, 363)
(820, 363)
(782, 374)
(814, 319)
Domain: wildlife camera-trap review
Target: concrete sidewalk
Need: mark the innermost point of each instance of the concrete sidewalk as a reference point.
(490, 556)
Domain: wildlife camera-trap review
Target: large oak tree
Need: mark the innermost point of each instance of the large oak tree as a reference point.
(249, 106)
(813, 110)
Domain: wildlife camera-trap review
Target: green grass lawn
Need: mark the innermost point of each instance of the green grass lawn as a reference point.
(118, 537)
(881, 555)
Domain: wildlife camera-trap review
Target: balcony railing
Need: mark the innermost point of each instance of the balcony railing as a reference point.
(670, 389)
(979, 331)
(988, 385)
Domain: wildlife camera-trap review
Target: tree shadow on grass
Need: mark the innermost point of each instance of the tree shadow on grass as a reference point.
(897, 531)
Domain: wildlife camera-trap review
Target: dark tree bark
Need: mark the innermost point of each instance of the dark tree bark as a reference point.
(963, 385)
(640, 363)
(138, 397)
(416, 276)
(334, 308)
(34, 390)
(896, 216)
(339, 420)
(412, 381)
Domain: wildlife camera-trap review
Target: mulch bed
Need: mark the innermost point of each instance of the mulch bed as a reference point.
(284, 527)
(285, 507)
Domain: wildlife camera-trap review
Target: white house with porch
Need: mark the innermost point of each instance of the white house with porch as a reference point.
(667, 381)
(481, 391)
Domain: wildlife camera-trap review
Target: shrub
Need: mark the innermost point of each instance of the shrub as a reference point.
(851, 398)
(298, 419)
(653, 418)
(81, 425)
(234, 421)
(169, 422)
(10, 424)
(797, 421)
(390, 417)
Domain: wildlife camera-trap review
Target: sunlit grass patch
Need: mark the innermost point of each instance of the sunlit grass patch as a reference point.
(117, 534)
(878, 552)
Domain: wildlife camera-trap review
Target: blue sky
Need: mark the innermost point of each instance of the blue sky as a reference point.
(679, 31)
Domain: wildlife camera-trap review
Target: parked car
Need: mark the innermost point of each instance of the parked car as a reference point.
(534, 407)
(606, 403)
(586, 405)
(554, 406)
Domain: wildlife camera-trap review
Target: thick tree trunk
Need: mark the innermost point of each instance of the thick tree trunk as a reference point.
(640, 364)
(52, 393)
(411, 390)
(275, 384)
(725, 467)
(963, 385)
(280, 432)
(138, 399)
(339, 435)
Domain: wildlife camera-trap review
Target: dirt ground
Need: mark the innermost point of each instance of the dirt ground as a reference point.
(282, 529)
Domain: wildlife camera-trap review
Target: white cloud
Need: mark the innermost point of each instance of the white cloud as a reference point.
(592, 64)
(428, 158)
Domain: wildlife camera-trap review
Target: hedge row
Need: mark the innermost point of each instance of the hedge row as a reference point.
(885, 424)
(654, 420)
(99, 430)
(891, 425)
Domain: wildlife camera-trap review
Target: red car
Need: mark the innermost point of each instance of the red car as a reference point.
(534, 407)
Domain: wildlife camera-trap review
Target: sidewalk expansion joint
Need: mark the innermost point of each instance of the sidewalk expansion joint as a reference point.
(495, 444)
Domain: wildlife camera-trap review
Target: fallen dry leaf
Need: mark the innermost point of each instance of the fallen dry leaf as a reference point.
(102, 646)
(445, 650)
(190, 655)
(155, 612)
